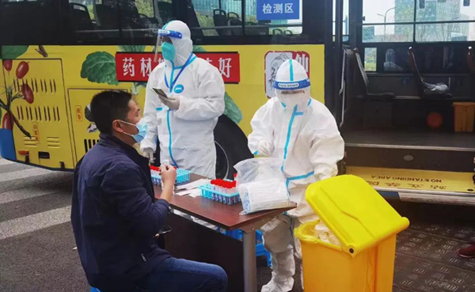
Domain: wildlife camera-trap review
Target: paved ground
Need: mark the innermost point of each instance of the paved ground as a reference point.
(36, 242)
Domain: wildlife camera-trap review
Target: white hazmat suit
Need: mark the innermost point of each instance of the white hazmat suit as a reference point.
(301, 131)
(197, 90)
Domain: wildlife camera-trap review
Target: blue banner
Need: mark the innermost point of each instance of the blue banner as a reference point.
(278, 9)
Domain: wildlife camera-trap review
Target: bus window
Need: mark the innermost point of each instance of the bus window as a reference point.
(107, 21)
(420, 21)
(215, 17)
(28, 22)
(224, 18)
(138, 20)
(451, 21)
(390, 62)
(145, 8)
(381, 20)
(370, 60)
(396, 59)
(164, 11)
(95, 20)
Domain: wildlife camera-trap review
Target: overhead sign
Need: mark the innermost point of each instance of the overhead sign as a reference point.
(136, 67)
(278, 9)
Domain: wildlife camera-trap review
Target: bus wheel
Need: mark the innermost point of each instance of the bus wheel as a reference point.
(231, 147)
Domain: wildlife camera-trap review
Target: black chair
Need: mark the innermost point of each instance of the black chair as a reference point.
(193, 21)
(165, 11)
(108, 16)
(81, 20)
(253, 28)
(235, 31)
(471, 67)
(362, 80)
(233, 15)
(220, 19)
(428, 90)
(471, 60)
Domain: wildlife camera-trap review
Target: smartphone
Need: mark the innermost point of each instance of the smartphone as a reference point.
(159, 91)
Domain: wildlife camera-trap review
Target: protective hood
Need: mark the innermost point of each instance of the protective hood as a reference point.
(292, 79)
(183, 45)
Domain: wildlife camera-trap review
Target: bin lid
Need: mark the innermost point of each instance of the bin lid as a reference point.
(355, 212)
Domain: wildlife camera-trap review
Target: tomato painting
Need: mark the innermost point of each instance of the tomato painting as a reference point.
(27, 93)
(22, 69)
(8, 64)
(7, 122)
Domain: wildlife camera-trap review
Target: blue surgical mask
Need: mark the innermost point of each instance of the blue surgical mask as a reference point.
(168, 51)
(141, 127)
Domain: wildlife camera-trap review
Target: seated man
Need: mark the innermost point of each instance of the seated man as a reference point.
(115, 216)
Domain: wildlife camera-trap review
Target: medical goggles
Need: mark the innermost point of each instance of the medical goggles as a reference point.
(293, 85)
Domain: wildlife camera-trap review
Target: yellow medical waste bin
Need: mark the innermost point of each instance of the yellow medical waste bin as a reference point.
(366, 226)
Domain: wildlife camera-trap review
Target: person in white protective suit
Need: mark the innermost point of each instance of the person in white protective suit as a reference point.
(301, 131)
(184, 99)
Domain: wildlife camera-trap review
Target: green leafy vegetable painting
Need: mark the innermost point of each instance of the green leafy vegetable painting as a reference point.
(132, 49)
(13, 52)
(99, 67)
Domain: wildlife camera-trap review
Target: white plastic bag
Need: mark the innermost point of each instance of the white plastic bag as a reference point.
(323, 233)
(262, 185)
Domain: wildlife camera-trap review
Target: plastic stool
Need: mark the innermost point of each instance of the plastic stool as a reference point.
(95, 289)
(260, 249)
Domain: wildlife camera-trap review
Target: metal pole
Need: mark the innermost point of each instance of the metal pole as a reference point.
(330, 97)
(250, 271)
(338, 54)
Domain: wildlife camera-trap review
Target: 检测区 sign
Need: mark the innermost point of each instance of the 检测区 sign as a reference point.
(136, 67)
(278, 9)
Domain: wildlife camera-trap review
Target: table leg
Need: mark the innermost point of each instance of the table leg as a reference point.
(250, 272)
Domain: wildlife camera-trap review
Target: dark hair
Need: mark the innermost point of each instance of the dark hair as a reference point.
(108, 106)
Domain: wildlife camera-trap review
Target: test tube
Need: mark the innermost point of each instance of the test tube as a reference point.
(152, 174)
(226, 191)
(230, 192)
(233, 190)
(221, 190)
(218, 190)
(212, 189)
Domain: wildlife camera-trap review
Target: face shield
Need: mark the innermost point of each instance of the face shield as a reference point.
(165, 36)
(293, 93)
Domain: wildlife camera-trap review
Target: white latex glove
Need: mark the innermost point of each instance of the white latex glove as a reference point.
(265, 148)
(171, 102)
(149, 153)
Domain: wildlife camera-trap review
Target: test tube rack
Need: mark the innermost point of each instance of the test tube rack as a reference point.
(209, 192)
(182, 176)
